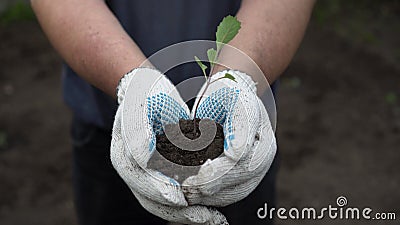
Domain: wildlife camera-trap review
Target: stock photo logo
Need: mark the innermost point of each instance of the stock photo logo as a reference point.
(339, 211)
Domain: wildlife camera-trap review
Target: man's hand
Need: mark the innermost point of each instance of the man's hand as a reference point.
(249, 147)
(147, 100)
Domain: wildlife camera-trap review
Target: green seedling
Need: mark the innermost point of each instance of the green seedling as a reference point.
(226, 31)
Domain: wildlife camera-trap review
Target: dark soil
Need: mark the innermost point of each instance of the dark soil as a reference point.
(187, 161)
(191, 158)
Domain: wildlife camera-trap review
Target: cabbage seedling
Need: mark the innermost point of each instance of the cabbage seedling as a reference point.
(226, 31)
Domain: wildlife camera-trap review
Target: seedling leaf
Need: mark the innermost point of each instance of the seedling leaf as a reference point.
(230, 77)
(227, 30)
(212, 54)
(202, 66)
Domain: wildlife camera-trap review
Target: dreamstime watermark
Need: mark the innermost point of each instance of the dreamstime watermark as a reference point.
(340, 211)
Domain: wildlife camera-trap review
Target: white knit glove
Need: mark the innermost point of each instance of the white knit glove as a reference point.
(147, 99)
(249, 147)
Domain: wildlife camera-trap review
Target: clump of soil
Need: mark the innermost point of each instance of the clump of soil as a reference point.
(178, 163)
(190, 158)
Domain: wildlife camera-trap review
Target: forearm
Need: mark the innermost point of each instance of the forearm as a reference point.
(90, 39)
(271, 32)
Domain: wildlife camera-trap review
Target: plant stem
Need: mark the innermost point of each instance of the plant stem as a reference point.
(208, 82)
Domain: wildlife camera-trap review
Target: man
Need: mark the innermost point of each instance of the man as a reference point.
(103, 40)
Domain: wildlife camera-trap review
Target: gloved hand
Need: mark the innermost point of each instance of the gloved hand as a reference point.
(152, 100)
(249, 147)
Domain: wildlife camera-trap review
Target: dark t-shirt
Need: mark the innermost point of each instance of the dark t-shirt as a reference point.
(153, 25)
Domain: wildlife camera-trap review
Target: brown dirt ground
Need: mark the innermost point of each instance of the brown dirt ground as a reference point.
(337, 132)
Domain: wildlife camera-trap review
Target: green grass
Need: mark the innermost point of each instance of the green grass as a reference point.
(3, 140)
(19, 11)
(356, 20)
(391, 98)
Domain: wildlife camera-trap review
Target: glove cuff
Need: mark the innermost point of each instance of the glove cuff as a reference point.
(125, 81)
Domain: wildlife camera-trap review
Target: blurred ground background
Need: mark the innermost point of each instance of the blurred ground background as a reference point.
(338, 116)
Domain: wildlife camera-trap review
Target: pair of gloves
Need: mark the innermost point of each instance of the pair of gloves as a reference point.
(147, 101)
